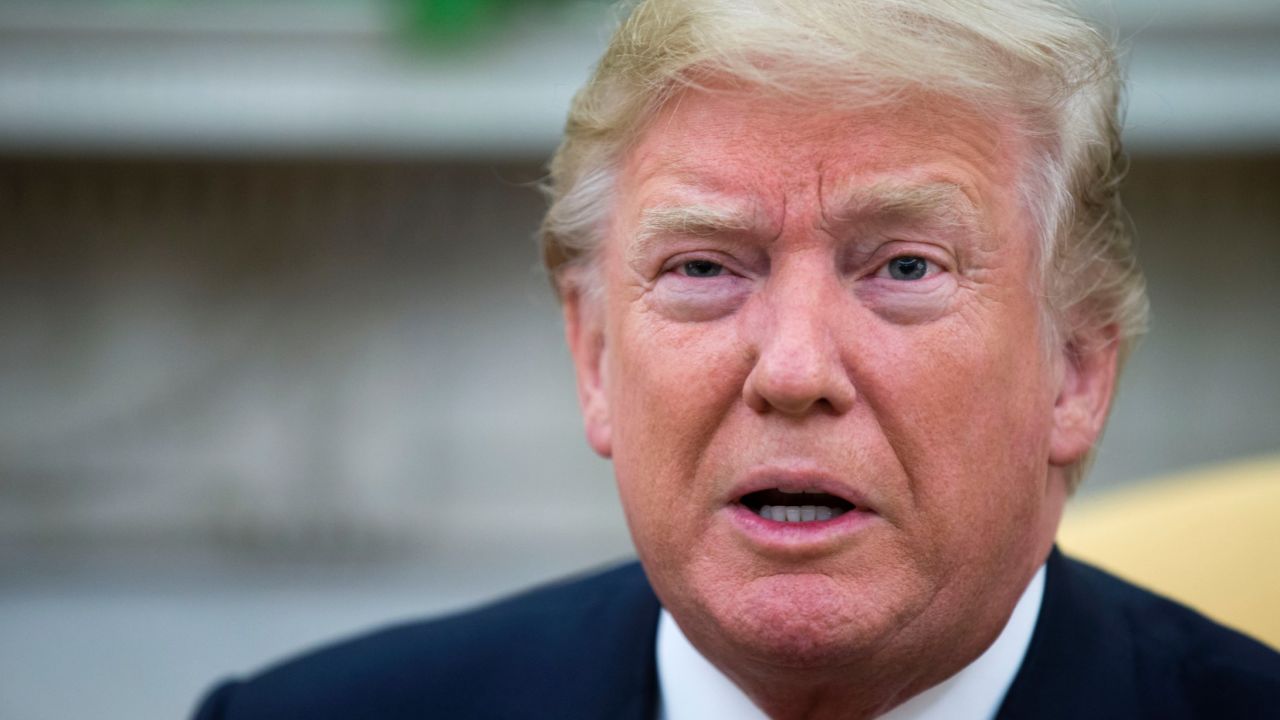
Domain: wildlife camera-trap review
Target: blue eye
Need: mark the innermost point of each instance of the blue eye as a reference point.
(908, 267)
(702, 268)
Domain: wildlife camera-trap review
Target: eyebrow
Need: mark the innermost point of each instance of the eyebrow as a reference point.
(693, 220)
(938, 203)
(696, 220)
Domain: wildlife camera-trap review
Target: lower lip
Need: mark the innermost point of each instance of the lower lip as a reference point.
(798, 535)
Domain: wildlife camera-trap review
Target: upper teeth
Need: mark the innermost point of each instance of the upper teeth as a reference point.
(798, 513)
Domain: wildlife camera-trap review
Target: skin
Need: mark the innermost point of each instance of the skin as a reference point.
(762, 334)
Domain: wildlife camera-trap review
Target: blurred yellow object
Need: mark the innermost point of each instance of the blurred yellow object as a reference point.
(1209, 538)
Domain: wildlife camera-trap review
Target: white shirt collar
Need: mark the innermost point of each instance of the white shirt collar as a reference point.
(691, 688)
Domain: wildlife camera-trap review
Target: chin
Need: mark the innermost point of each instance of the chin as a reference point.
(804, 620)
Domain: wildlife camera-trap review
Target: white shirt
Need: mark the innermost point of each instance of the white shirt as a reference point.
(691, 688)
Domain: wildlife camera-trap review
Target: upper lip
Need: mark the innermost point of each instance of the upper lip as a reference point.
(795, 480)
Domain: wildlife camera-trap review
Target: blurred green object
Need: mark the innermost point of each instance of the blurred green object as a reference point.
(450, 20)
(453, 22)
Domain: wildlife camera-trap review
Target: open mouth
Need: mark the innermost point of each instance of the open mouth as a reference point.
(795, 507)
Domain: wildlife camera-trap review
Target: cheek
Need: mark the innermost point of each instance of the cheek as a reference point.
(670, 375)
(967, 409)
(670, 387)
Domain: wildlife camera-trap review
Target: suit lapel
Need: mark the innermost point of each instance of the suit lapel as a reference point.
(1080, 663)
(616, 654)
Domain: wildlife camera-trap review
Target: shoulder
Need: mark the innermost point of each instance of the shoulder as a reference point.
(1217, 669)
(1104, 647)
(593, 633)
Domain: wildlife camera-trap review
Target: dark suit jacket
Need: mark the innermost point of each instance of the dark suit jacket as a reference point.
(585, 649)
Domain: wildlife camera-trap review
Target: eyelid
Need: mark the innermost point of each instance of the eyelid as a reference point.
(675, 262)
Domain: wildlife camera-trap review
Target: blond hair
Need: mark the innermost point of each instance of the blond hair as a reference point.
(1033, 60)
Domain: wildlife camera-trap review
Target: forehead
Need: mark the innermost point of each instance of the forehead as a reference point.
(731, 147)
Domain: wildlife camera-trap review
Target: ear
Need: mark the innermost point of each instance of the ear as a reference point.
(1090, 360)
(584, 332)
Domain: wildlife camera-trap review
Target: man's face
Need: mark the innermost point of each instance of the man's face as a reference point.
(840, 304)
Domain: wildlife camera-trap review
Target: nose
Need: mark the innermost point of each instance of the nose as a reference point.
(798, 364)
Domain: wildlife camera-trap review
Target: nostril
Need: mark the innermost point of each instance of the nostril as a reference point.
(794, 404)
(798, 381)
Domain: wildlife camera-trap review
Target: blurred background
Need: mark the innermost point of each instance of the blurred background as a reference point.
(277, 362)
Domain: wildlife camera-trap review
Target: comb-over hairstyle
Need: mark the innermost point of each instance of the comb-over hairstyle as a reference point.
(1034, 61)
